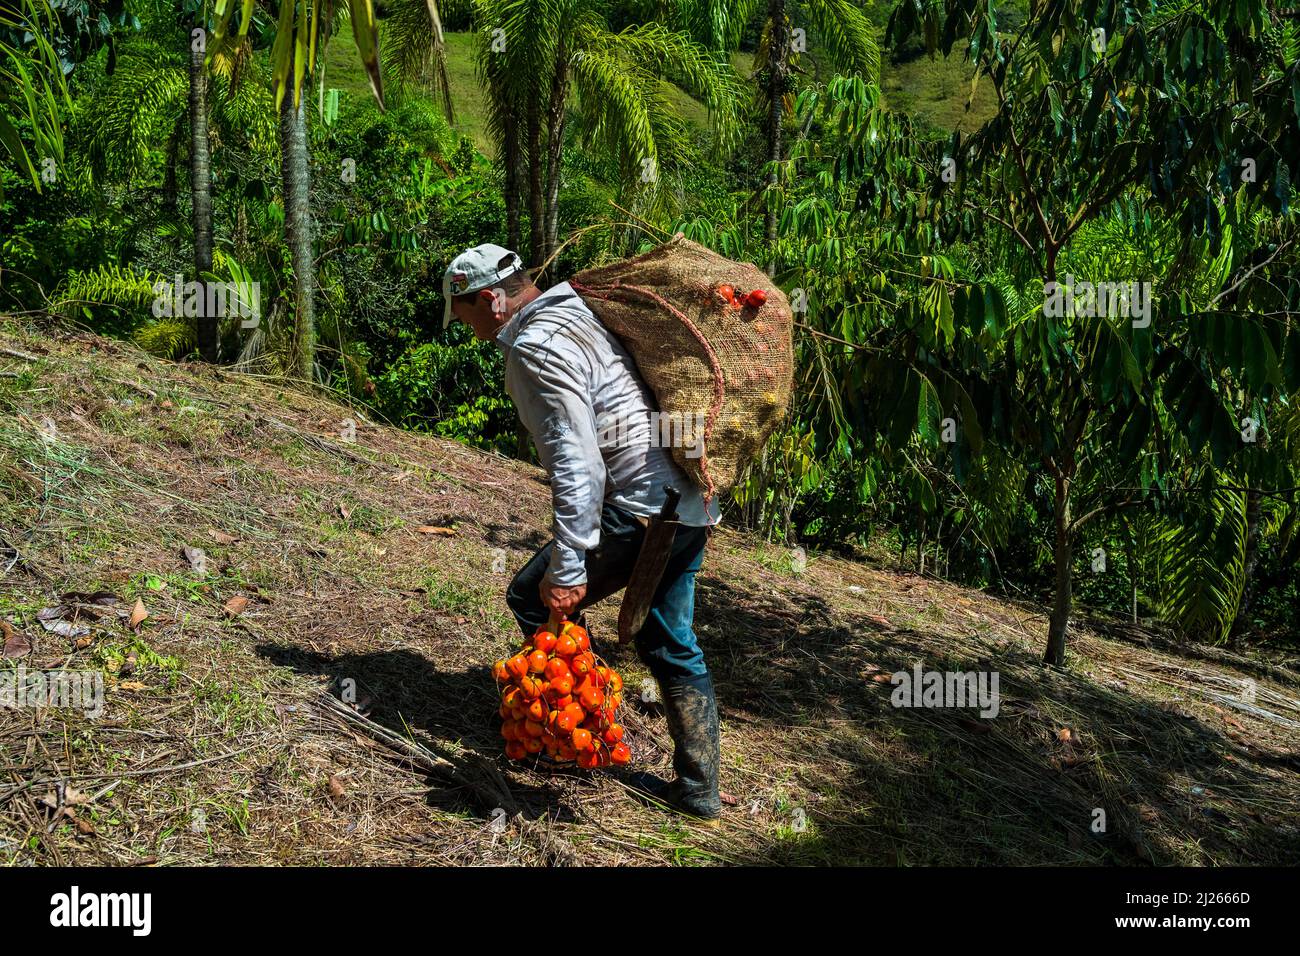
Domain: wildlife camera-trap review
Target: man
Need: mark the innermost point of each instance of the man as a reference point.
(579, 395)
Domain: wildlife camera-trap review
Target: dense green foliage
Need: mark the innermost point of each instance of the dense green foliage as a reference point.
(1142, 460)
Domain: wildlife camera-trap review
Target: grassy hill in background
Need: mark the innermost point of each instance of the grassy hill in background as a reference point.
(935, 90)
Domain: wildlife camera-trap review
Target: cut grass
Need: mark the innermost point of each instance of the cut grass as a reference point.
(223, 712)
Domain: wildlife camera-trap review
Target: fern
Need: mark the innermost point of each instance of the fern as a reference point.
(1202, 563)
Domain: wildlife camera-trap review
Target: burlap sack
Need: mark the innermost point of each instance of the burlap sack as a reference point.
(722, 376)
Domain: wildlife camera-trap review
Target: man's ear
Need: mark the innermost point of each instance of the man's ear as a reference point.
(496, 299)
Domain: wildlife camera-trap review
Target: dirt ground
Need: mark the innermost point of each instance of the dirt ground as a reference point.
(371, 566)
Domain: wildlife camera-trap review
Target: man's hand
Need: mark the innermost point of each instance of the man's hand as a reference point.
(561, 600)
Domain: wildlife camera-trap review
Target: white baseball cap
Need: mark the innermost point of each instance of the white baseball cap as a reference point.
(475, 269)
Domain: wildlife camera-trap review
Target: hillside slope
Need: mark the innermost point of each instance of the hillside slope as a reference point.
(223, 740)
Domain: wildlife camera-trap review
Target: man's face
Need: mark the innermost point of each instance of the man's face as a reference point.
(479, 315)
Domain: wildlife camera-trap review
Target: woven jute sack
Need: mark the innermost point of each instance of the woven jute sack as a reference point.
(722, 376)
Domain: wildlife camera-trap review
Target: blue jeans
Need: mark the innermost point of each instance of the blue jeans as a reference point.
(667, 642)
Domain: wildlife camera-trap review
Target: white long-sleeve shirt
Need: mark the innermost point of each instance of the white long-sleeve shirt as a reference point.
(588, 410)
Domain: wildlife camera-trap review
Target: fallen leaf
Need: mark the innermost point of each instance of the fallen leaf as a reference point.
(336, 788)
(882, 621)
(436, 529)
(98, 597)
(83, 642)
(138, 614)
(236, 605)
(65, 628)
(16, 644)
(132, 685)
(882, 678)
(84, 826)
(345, 511)
(220, 537)
(1064, 735)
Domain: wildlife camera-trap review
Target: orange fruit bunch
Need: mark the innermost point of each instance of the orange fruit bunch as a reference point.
(559, 698)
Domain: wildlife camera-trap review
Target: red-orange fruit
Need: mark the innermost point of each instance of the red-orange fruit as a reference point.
(581, 739)
(537, 662)
(516, 751)
(612, 734)
(537, 710)
(563, 685)
(544, 640)
(532, 728)
(615, 681)
(582, 664)
(517, 666)
(530, 688)
(499, 671)
(566, 647)
(620, 755)
(592, 698)
(533, 745)
(556, 667)
(564, 723)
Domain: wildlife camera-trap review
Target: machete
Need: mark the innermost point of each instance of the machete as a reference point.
(660, 532)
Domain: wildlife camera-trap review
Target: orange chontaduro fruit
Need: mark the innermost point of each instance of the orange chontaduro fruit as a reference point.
(559, 699)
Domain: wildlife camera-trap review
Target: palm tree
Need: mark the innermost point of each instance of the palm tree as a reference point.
(840, 26)
(303, 28)
(201, 180)
(549, 62)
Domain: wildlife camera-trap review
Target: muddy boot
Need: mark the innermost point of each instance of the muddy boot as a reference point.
(692, 712)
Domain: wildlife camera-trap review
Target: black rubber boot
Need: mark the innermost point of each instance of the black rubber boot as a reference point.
(692, 712)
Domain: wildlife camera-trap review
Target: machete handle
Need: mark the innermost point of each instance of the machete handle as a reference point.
(671, 497)
(553, 625)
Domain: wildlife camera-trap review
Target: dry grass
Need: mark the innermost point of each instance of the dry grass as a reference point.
(223, 740)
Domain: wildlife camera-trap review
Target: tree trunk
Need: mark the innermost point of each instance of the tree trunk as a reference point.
(298, 233)
(536, 199)
(777, 55)
(555, 146)
(511, 160)
(1062, 553)
(201, 192)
